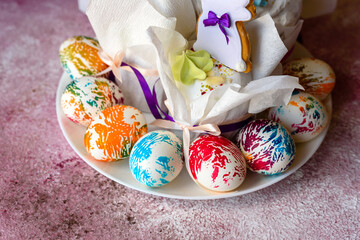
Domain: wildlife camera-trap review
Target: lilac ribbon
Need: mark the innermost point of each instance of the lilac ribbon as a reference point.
(223, 21)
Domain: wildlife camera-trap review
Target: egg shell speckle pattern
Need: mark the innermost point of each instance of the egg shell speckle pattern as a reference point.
(157, 158)
(79, 57)
(216, 163)
(305, 117)
(316, 76)
(267, 146)
(113, 133)
(86, 97)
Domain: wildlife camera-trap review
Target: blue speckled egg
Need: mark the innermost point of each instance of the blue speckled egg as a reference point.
(267, 146)
(157, 158)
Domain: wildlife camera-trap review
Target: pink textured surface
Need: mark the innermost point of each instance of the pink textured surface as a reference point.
(48, 192)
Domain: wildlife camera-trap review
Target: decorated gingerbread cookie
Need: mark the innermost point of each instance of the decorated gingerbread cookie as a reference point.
(221, 32)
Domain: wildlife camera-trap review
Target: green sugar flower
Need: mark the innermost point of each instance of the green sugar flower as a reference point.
(190, 65)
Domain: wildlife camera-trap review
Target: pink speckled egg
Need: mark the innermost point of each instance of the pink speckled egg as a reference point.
(305, 117)
(216, 163)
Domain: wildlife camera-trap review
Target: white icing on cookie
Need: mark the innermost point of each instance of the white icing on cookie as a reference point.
(212, 39)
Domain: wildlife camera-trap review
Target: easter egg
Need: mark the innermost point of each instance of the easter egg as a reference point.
(157, 158)
(112, 134)
(79, 57)
(316, 76)
(87, 97)
(267, 146)
(216, 163)
(305, 117)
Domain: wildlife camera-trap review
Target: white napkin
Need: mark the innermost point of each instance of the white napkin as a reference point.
(267, 48)
(122, 24)
(182, 10)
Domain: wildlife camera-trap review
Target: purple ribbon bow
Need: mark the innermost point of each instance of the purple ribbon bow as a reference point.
(223, 21)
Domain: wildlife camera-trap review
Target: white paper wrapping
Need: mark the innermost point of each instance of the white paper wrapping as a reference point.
(267, 48)
(182, 10)
(286, 15)
(121, 25)
(284, 12)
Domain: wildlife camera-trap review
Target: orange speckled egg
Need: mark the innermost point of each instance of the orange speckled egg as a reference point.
(113, 133)
(315, 75)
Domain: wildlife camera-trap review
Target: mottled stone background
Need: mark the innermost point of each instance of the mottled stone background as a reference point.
(48, 192)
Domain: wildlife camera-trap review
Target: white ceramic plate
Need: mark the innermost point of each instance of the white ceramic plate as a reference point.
(182, 187)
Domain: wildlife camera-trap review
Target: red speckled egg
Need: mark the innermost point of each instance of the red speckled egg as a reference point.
(216, 163)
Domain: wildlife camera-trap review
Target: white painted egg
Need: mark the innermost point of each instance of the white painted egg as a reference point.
(79, 57)
(113, 133)
(216, 163)
(267, 146)
(316, 76)
(86, 97)
(157, 158)
(305, 117)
